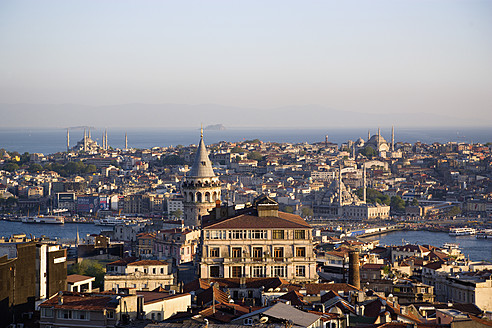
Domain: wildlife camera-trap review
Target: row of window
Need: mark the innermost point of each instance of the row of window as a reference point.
(154, 270)
(237, 252)
(252, 234)
(70, 314)
(259, 271)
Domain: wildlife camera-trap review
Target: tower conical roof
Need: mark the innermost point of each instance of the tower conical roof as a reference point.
(202, 167)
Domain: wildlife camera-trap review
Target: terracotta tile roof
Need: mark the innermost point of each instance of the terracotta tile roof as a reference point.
(247, 221)
(224, 312)
(152, 297)
(481, 321)
(372, 266)
(148, 262)
(123, 261)
(315, 289)
(146, 235)
(328, 296)
(82, 301)
(294, 297)
(266, 283)
(206, 296)
(434, 265)
(73, 278)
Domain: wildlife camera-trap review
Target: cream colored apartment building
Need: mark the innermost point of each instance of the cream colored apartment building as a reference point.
(259, 242)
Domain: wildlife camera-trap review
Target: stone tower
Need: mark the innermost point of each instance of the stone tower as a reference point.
(200, 188)
(354, 273)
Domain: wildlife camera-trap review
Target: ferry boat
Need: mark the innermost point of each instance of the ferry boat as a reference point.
(109, 221)
(462, 231)
(451, 246)
(49, 219)
(484, 234)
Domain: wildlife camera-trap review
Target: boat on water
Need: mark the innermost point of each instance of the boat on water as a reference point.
(451, 246)
(110, 221)
(484, 234)
(462, 231)
(48, 219)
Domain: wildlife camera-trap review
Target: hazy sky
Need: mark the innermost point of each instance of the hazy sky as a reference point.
(363, 56)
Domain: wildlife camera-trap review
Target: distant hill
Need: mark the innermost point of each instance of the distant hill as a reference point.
(182, 115)
(215, 127)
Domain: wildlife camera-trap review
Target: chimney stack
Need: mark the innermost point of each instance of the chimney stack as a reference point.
(354, 273)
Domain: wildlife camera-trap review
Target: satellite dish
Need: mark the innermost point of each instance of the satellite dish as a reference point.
(263, 319)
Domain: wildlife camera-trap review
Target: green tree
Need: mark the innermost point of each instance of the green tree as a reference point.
(35, 167)
(288, 209)
(369, 152)
(307, 211)
(397, 204)
(255, 156)
(11, 167)
(414, 202)
(177, 214)
(172, 160)
(374, 196)
(91, 168)
(237, 149)
(90, 268)
(254, 141)
(455, 210)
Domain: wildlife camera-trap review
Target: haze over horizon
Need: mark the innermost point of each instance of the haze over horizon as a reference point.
(245, 63)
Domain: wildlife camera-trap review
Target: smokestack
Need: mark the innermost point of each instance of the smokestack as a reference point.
(326, 141)
(354, 274)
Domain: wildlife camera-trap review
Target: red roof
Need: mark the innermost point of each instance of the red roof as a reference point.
(73, 278)
(123, 261)
(372, 266)
(82, 301)
(315, 289)
(246, 221)
(148, 262)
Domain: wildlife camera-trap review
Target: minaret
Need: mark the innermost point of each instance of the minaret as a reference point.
(200, 188)
(106, 140)
(102, 142)
(89, 133)
(340, 186)
(68, 140)
(364, 184)
(392, 138)
(326, 141)
(379, 139)
(126, 141)
(85, 141)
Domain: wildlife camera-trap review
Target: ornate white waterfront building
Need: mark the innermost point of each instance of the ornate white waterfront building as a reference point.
(200, 188)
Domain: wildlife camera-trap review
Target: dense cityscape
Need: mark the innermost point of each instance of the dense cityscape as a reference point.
(247, 233)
